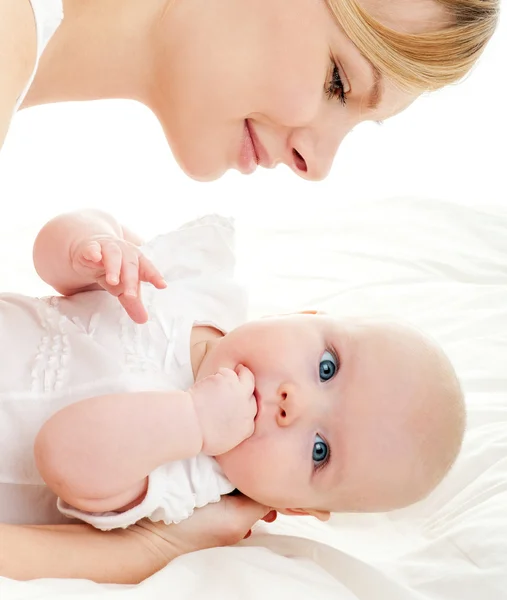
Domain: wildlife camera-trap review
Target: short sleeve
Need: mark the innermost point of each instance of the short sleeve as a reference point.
(175, 490)
(198, 262)
(203, 246)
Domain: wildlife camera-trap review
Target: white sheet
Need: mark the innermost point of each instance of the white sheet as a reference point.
(443, 267)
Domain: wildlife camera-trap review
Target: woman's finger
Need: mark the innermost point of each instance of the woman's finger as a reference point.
(270, 517)
(242, 514)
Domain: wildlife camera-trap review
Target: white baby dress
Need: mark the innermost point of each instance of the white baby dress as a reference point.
(55, 351)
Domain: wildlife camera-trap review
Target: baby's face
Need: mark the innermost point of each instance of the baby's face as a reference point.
(352, 416)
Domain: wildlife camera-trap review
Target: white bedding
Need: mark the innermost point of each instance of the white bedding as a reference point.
(443, 267)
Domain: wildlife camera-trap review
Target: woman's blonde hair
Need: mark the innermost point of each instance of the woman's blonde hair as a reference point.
(426, 61)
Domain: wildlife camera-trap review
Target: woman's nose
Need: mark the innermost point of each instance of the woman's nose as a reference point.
(290, 405)
(313, 149)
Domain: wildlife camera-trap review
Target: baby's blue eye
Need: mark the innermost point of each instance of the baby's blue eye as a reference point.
(328, 366)
(320, 451)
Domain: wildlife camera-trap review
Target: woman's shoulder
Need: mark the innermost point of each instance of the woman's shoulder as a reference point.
(18, 51)
(26, 26)
(47, 16)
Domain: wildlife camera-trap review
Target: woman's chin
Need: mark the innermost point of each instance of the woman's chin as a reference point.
(201, 172)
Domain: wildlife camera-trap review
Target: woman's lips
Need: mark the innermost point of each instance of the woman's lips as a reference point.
(252, 152)
(263, 158)
(247, 155)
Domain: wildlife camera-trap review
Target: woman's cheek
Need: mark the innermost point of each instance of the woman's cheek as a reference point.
(295, 101)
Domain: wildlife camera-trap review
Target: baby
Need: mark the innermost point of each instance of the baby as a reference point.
(303, 412)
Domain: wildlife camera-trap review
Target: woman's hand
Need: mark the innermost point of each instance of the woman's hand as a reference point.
(118, 266)
(125, 556)
(220, 524)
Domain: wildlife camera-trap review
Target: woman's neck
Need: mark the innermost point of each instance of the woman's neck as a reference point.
(103, 49)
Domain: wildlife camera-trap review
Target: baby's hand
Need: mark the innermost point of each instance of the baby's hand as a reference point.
(226, 408)
(119, 267)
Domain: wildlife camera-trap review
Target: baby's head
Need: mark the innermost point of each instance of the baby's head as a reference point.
(353, 415)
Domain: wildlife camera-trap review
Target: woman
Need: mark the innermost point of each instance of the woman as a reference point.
(234, 84)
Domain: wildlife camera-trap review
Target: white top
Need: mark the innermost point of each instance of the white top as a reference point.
(48, 15)
(56, 351)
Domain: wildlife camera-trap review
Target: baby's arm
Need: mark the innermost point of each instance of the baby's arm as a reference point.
(89, 250)
(96, 454)
(53, 248)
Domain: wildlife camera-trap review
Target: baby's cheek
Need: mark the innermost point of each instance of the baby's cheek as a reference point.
(248, 469)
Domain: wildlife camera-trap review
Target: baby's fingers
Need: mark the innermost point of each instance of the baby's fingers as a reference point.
(130, 273)
(149, 273)
(92, 252)
(134, 307)
(112, 259)
(245, 377)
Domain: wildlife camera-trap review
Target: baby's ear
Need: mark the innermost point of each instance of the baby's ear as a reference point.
(322, 515)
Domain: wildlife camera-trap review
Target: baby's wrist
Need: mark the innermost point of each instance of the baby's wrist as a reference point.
(195, 403)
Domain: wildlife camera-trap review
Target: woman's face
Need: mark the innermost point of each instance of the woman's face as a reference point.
(242, 84)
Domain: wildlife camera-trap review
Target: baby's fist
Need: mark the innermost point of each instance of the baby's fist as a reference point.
(226, 409)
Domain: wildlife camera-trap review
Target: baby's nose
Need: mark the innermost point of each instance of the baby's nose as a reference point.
(290, 406)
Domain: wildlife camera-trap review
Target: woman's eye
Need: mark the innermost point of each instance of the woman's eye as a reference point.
(328, 366)
(335, 88)
(320, 451)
